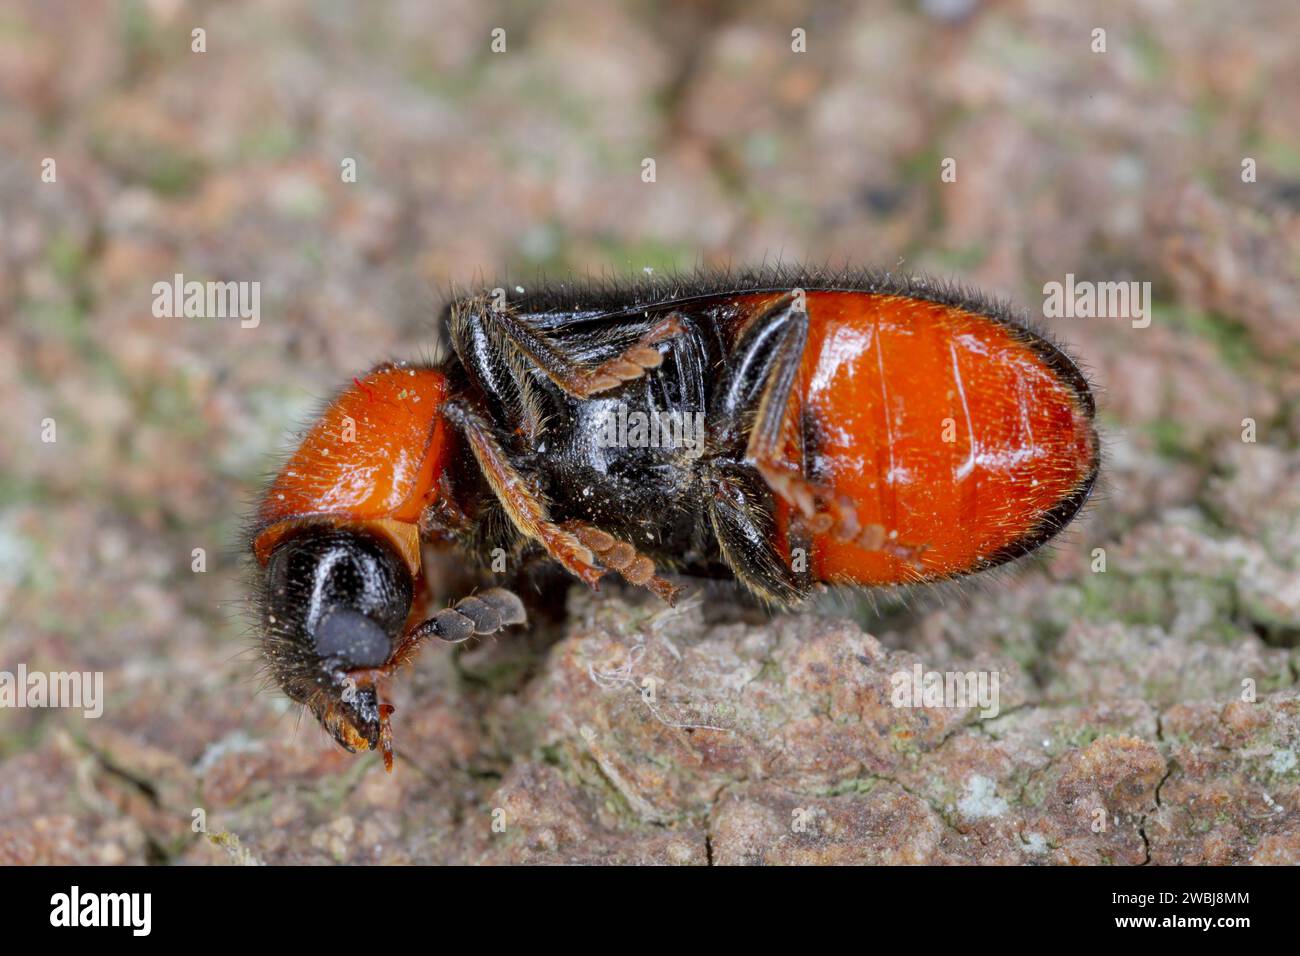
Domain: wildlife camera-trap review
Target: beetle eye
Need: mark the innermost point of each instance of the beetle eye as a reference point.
(353, 637)
(343, 595)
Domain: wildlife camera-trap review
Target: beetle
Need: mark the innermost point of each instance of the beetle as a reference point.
(787, 429)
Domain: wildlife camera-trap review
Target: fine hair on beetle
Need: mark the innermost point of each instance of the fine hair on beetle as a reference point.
(773, 431)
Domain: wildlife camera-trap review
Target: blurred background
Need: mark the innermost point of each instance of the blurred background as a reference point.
(226, 164)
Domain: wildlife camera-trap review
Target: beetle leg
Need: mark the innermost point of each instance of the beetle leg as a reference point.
(576, 378)
(821, 510)
(523, 505)
(740, 511)
(636, 361)
(443, 519)
(761, 384)
(475, 616)
(756, 385)
(622, 557)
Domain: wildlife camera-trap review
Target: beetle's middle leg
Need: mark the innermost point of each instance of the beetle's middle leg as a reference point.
(622, 557)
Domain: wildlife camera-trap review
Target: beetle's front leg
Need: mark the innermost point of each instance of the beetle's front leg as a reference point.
(475, 616)
(524, 506)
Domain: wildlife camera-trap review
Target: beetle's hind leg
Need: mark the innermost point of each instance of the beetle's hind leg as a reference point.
(756, 402)
(822, 510)
(739, 504)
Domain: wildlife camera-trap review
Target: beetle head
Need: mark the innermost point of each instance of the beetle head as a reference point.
(334, 605)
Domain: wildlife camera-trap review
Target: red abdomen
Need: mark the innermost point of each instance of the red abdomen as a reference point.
(959, 435)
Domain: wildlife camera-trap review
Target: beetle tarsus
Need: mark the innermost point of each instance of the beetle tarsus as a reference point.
(632, 565)
(633, 363)
(475, 616)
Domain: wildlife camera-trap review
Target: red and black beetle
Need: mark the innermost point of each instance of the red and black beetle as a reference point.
(786, 429)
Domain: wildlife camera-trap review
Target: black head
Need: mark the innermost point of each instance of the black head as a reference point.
(335, 601)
